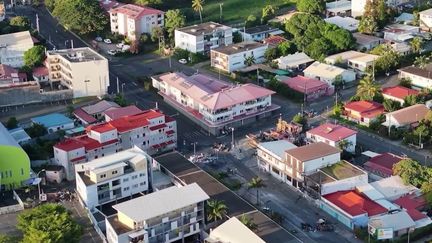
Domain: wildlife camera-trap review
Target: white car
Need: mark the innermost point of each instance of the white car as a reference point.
(183, 61)
(120, 45)
(112, 52)
(98, 39)
(108, 41)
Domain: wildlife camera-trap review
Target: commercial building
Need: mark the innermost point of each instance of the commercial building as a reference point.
(168, 215)
(362, 112)
(112, 177)
(82, 70)
(13, 46)
(259, 33)
(133, 20)
(54, 122)
(203, 37)
(213, 104)
(329, 73)
(232, 231)
(346, 23)
(367, 42)
(406, 117)
(95, 112)
(312, 89)
(296, 61)
(382, 164)
(357, 61)
(420, 77)
(389, 226)
(398, 93)
(333, 134)
(305, 160)
(14, 162)
(425, 19)
(151, 131)
(234, 57)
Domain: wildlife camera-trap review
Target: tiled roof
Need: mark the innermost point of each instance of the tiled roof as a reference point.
(134, 11)
(101, 128)
(40, 71)
(128, 123)
(399, 92)
(412, 204)
(409, 115)
(80, 114)
(363, 106)
(274, 40)
(69, 145)
(116, 113)
(6, 71)
(305, 85)
(332, 132)
(355, 204)
(383, 163)
(90, 144)
(312, 151)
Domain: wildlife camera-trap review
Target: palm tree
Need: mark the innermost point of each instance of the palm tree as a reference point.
(421, 61)
(390, 105)
(216, 210)
(344, 144)
(410, 100)
(257, 183)
(367, 88)
(197, 6)
(248, 222)
(416, 44)
(249, 61)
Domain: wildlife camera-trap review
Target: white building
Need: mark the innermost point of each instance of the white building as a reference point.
(2, 11)
(259, 33)
(357, 61)
(425, 19)
(367, 42)
(407, 116)
(294, 61)
(113, 177)
(82, 70)
(347, 23)
(333, 134)
(213, 104)
(203, 37)
(168, 215)
(132, 20)
(393, 188)
(400, 32)
(13, 46)
(232, 58)
(338, 8)
(420, 77)
(232, 231)
(394, 225)
(328, 73)
(150, 130)
(357, 6)
(271, 157)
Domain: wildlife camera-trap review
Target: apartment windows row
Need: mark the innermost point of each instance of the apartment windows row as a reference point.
(134, 186)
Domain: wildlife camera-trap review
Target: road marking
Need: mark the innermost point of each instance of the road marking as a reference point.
(135, 84)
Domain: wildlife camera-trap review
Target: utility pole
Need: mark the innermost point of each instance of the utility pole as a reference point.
(118, 86)
(37, 23)
(72, 45)
(220, 12)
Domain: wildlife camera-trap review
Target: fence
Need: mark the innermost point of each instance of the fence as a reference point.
(13, 208)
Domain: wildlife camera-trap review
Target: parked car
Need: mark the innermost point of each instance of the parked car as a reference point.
(108, 41)
(98, 39)
(120, 45)
(112, 52)
(183, 61)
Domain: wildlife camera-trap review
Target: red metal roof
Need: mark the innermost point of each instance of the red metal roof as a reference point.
(134, 11)
(117, 113)
(91, 144)
(82, 115)
(412, 203)
(354, 203)
(274, 40)
(101, 128)
(69, 144)
(383, 163)
(399, 92)
(305, 85)
(332, 132)
(363, 106)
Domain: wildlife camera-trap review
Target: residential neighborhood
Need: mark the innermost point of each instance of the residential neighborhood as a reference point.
(228, 121)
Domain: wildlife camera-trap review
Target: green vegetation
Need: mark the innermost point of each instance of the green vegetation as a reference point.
(311, 6)
(284, 90)
(48, 223)
(389, 59)
(256, 183)
(40, 150)
(20, 23)
(248, 222)
(34, 56)
(174, 19)
(216, 210)
(192, 58)
(12, 123)
(36, 130)
(367, 89)
(376, 15)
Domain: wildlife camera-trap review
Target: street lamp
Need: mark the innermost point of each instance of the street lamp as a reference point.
(123, 84)
(37, 176)
(194, 148)
(232, 137)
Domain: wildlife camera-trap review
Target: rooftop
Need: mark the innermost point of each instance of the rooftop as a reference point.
(204, 28)
(393, 187)
(239, 47)
(82, 115)
(7, 72)
(295, 59)
(19, 134)
(135, 11)
(52, 120)
(117, 113)
(353, 56)
(260, 29)
(84, 54)
(363, 106)
(397, 221)
(348, 23)
(277, 148)
(274, 40)
(342, 170)
(6, 138)
(354, 203)
(305, 85)
(99, 107)
(338, 6)
(161, 202)
(332, 132)
(422, 72)
(17, 39)
(324, 70)
(413, 204)
(383, 163)
(409, 115)
(233, 231)
(312, 151)
(363, 39)
(426, 12)
(40, 71)
(399, 92)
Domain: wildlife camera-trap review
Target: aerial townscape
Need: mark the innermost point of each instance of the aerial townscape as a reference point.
(215, 121)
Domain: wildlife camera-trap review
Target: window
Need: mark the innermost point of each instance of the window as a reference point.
(134, 177)
(142, 174)
(126, 189)
(103, 176)
(142, 183)
(22, 171)
(125, 179)
(135, 186)
(114, 172)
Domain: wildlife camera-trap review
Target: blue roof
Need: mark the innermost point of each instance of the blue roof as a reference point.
(52, 120)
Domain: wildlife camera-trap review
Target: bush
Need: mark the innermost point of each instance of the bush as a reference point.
(181, 54)
(284, 90)
(36, 130)
(12, 123)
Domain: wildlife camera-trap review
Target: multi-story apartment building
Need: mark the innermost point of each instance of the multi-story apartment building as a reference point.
(113, 177)
(132, 20)
(13, 46)
(151, 130)
(234, 57)
(81, 69)
(213, 104)
(168, 215)
(333, 135)
(203, 37)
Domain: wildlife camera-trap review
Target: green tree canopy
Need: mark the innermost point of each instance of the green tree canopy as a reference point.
(367, 89)
(148, 2)
(251, 21)
(216, 210)
(410, 171)
(34, 56)
(197, 6)
(390, 105)
(389, 58)
(20, 23)
(268, 12)
(311, 6)
(48, 223)
(12, 123)
(82, 16)
(174, 19)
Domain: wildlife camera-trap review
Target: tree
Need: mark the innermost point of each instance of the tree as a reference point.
(120, 100)
(174, 19)
(216, 210)
(421, 61)
(50, 4)
(410, 100)
(405, 82)
(367, 88)
(12, 123)
(367, 25)
(250, 60)
(416, 44)
(270, 54)
(337, 109)
(344, 144)
(7, 239)
(251, 21)
(286, 48)
(390, 105)
(299, 118)
(157, 33)
(248, 222)
(410, 171)
(268, 12)
(82, 16)
(20, 23)
(48, 223)
(36, 130)
(318, 49)
(34, 56)
(338, 83)
(237, 37)
(148, 2)
(256, 183)
(389, 58)
(197, 6)
(311, 6)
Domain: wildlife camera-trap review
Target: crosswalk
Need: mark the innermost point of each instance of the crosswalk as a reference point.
(193, 136)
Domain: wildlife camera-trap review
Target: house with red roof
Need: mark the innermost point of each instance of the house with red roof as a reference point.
(9, 75)
(351, 208)
(151, 131)
(41, 74)
(333, 134)
(133, 20)
(382, 165)
(398, 93)
(312, 88)
(274, 40)
(116, 113)
(362, 112)
(415, 205)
